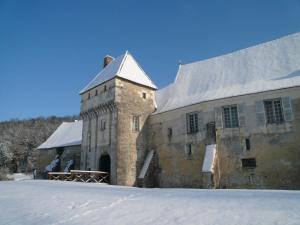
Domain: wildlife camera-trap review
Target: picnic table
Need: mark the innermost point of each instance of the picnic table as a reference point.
(80, 176)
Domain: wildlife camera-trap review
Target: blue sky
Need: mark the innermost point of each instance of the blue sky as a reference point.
(49, 50)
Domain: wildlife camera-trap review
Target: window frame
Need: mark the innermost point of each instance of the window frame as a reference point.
(247, 144)
(136, 123)
(273, 116)
(103, 124)
(231, 119)
(192, 122)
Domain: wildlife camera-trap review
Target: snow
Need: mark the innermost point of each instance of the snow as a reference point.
(67, 134)
(124, 66)
(19, 176)
(268, 66)
(146, 164)
(34, 202)
(208, 163)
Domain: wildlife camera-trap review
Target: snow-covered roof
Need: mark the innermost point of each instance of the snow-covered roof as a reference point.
(267, 66)
(125, 66)
(67, 134)
(209, 158)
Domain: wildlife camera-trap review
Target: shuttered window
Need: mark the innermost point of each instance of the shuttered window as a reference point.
(230, 115)
(273, 111)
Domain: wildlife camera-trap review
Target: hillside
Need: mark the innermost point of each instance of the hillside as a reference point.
(19, 138)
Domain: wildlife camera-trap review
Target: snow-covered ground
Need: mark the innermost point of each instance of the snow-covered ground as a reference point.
(19, 176)
(57, 202)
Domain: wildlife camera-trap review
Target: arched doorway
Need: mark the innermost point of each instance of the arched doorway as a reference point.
(104, 163)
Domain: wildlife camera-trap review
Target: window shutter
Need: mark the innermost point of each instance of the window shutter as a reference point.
(242, 114)
(200, 121)
(218, 117)
(287, 108)
(188, 128)
(260, 113)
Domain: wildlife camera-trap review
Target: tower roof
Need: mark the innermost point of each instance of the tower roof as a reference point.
(124, 66)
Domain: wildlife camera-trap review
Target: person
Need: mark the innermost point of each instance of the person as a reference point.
(34, 174)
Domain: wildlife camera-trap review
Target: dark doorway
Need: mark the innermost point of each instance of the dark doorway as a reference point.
(104, 163)
(211, 133)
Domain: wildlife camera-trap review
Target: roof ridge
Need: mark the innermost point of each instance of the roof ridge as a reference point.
(244, 49)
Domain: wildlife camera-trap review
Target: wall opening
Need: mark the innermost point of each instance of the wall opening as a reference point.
(104, 163)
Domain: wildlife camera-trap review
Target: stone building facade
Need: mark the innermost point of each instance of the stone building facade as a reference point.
(228, 122)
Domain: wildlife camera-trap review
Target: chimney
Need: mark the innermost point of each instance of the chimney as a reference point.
(107, 59)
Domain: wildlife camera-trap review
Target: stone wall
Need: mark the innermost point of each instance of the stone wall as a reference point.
(99, 114)
(275, 147)
(132, 100)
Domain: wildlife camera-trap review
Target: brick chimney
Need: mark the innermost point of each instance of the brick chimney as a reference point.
(107, 59)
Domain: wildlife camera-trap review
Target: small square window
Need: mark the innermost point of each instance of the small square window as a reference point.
(135, 123)
(249, 163)
(144, 95)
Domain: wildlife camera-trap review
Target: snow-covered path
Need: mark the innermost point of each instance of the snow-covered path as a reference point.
(54, 202)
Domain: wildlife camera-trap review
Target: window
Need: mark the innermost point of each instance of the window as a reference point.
(96, 93)
(189, 151)
(249, 163)
(192, 122)
(103, 124)
(170, 132)
(230, 116)
(89, 95)
(273, 110)
(104, 88)
(247, 141)
(136, 123)
(144, 95)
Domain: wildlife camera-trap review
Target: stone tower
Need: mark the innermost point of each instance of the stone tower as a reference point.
(115, 107)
